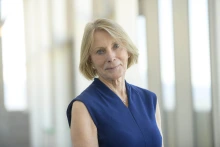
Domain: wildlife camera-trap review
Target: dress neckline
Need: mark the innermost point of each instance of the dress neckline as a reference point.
(109, 93)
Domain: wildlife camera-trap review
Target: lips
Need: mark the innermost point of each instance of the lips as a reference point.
(111, 68)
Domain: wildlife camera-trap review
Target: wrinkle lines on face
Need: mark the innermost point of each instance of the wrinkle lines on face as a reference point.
(108, 57)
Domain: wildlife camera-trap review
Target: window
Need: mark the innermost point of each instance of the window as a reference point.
(167, 53)
(200, 72)
(142, 47)
(13, 52)
(200, 55)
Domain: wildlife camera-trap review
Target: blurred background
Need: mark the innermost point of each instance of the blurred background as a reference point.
(179, 45)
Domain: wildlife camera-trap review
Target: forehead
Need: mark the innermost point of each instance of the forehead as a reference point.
(101, 35)
(101, 38)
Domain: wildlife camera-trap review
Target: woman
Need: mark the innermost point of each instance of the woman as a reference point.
(112, 112)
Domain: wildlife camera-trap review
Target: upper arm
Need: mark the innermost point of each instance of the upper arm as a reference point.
(83, 129)
(158, 118)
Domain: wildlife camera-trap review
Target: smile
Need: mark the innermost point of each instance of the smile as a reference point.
(112, 68)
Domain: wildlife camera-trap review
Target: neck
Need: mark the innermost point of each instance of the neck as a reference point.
(117, 86)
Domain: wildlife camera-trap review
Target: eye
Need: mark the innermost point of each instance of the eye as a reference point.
(116, 45)
(100, 51)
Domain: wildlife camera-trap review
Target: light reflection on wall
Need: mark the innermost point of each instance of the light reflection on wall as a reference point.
(167, 53)
(142, 47)
(13, 51)
(200, 55)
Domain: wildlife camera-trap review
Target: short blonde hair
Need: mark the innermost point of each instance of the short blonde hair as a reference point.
(116, 31)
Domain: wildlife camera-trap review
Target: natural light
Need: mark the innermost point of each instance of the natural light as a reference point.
(167, 53)
(200, 55)
(13, 51)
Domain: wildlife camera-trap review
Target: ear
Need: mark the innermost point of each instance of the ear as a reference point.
(129, 55)
(90, 60)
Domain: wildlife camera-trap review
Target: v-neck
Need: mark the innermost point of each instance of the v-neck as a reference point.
(109, 93)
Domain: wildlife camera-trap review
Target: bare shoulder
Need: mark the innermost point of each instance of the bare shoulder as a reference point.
(78, 106)
(83, 129)
(80, 115)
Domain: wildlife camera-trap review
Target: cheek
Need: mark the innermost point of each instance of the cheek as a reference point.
(125, 53)
(126, 56)
(126, 60)
(96, 61)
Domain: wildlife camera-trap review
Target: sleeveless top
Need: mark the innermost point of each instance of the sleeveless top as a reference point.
(119, 125)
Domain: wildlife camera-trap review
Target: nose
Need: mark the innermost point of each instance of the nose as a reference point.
(111, 56)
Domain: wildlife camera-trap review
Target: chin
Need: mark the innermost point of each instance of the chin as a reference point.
(116, 77)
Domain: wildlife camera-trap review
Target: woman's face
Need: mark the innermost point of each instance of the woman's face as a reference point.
(109, 58)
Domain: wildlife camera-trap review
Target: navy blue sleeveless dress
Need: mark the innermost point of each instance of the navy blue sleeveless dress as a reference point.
(118, 125)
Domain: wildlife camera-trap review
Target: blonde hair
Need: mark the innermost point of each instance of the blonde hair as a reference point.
(116, 31)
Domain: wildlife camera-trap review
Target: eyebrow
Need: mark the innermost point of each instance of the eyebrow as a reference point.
(101, 47)
(96, 48)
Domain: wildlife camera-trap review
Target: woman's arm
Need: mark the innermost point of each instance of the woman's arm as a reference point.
(158, 120)
(83, 129)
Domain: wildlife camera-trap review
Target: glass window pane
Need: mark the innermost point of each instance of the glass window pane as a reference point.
(142, 47)
(13, 52)
(167, 71)
(167, 53)
(200, 71)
